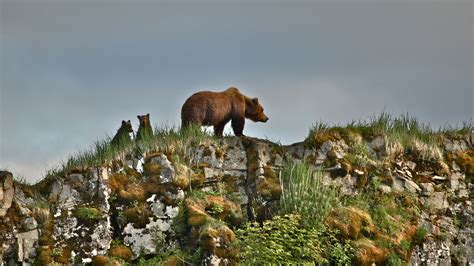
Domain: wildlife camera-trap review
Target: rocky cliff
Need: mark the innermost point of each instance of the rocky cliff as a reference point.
(149, 202)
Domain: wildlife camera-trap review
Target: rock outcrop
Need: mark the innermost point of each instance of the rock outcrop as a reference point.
(145, 204)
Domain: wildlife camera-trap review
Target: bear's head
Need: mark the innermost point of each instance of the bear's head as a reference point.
(144, 119)
(126, 126)
(254, 111)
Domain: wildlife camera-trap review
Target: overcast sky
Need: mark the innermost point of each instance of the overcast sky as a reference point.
(72, 70)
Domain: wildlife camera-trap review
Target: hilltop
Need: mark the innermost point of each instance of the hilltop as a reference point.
(389, 191)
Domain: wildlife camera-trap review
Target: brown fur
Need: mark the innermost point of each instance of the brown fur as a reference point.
(122, 134)
(144, 130)
(216, 109)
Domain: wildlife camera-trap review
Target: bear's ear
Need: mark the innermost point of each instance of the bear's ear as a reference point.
(128, 122)
(123, 122)
(255, 100)
(148, 115)
(139, 117)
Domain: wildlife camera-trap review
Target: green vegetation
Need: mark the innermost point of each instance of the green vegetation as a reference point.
(335, 227)
(304, 194)
(420, 235)
(281, 240)
(88, 214)
(405, 131)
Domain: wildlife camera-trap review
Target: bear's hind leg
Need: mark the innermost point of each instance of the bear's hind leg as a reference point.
(219, 129)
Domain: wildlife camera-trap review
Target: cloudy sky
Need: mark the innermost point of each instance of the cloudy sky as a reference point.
(72, 70)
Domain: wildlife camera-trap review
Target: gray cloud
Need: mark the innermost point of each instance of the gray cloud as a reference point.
(71, 71)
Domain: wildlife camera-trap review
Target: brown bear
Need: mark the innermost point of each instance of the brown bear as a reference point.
(216, 109)
(123, 133)
(144, 130)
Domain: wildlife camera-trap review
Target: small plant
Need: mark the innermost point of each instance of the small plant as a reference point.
(215, 209)
(406, 246)
(420, 235)
(88, 214)
(116, 242)
(57, 252)
(442, 236)
(339, 253)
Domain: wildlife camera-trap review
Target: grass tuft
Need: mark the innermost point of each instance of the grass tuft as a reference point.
(304, 194)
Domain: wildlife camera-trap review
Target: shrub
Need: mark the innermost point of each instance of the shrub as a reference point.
(279, 241)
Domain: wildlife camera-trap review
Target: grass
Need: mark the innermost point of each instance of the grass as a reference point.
(404, 130)
(169, 140)
(304, 193)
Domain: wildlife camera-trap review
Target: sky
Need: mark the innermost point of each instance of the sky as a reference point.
(72, 70)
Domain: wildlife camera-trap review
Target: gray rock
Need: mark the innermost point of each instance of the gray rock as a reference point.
(427, 189)
(101, 238)
(453, 184)
(401, 183)
(384, 188)
(212, 174)
(411, 165)
(378, 144)
(346, 185)
(7, 192)
(338, 149)
(27, 244)
(298, 151)
(29, 223)
(235, 159)
(141, 240)
(264, 152)
(455, 167)
(463, 194)
(278, 160)
(167, 169)
(431, 253)
(68, 198)
(79, 178)
(327, 146)
(438, 201)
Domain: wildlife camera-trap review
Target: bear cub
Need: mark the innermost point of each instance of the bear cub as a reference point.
(144, 130)
(123, 134)
(216, 109)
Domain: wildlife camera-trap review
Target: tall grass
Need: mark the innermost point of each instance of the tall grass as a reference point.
(404, 130)
(403, 126)
(166, 139)
(304, 194)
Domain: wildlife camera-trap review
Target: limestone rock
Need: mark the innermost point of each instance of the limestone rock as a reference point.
(427, 189)
(7, 192)
(167, 170)
(27, 243)
(438, 201)
(29, 223)
(401, 184)
(431, 253)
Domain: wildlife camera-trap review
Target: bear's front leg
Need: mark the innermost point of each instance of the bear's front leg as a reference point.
(238, 125)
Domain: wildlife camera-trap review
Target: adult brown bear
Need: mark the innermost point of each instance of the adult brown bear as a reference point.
(207, 108)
